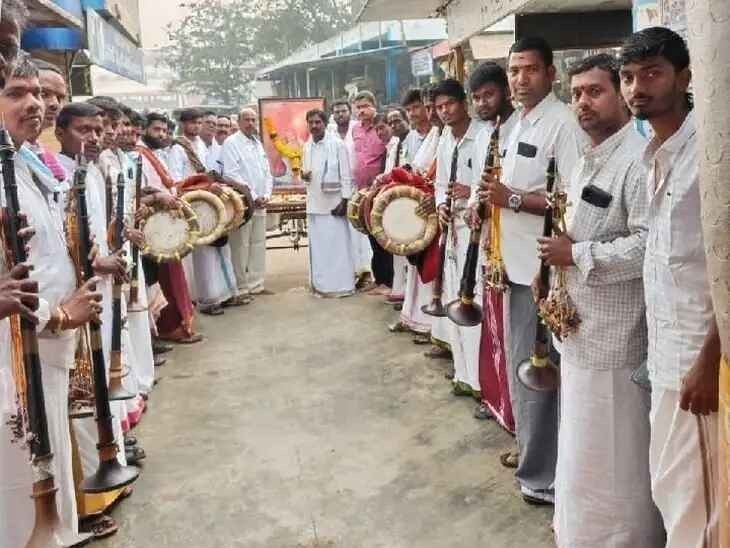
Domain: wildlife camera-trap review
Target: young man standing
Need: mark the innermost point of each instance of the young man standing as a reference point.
(602, 487)
(684, 343)
(457, 170)
(491, 98)
(417, 294)
(326, 172)
(545, 127)
(245, 161)
(223, 129)
(211, 159)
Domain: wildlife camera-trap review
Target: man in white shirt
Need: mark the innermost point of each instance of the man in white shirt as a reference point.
(327, 174)
(684, 343)
(223, 129)
(602, 486)
(187, 153)
(211, 159)
(417, 294)
(545, 127)
(492, 99)
(62, 309)
(456, 168)
(245, 161)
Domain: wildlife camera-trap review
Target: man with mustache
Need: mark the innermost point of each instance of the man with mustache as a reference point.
(175, 323)
(544, 128)
(62, 310)
(602, 487)
(684, 344)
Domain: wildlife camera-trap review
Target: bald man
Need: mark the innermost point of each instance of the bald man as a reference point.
(245, 161)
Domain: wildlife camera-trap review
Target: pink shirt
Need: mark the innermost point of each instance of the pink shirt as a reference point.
(369, 155)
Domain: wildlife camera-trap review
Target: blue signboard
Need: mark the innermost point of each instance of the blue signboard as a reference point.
(111, 50)
(52, 39)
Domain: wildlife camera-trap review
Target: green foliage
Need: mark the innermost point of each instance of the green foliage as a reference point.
(217, 47)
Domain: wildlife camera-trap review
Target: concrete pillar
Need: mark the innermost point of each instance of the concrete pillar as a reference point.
(709, 26)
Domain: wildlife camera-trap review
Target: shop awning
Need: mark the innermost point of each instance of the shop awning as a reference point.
(466, 18)
(387, 10)
(47, 13)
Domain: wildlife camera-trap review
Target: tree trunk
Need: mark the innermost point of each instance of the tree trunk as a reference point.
(709, 26)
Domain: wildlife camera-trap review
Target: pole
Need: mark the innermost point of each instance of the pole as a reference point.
(709, 25)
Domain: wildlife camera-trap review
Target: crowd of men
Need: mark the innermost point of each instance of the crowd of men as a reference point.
(628, 459)
(626, 450)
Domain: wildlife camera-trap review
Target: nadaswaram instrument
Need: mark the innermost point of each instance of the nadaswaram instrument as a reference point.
(116, 371)
(395, 220)
(134, 282)
(538, 372)
(169, 234)
(436, 307)
(110, 474)
(29, 377)
(464, 311)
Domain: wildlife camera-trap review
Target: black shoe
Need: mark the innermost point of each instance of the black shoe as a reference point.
(134, 455)
(214, 310)
(159, 347)
(483, 413)
(130, 441)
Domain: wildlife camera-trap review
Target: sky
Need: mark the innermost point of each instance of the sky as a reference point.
(156, 15)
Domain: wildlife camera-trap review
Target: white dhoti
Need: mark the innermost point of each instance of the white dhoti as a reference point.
(330, 255)
(464, 341)
(602, 487)
(215, 280)
(140, 357)
(685, 472)
(190, 276)
(16, 480)
(362, 253)
(248, 253)
(400, 268)
(417, 295)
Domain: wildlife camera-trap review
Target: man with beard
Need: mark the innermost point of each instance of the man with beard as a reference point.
(326, 172)
(491, 98)
(602, 487)
(80, 130)
(457, 176)
(246, 163)
(342, 117)
(544, 128)
(684, 343)
(175, 323)
(62, 310)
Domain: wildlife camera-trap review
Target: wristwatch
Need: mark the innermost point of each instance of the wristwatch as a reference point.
(515, 202)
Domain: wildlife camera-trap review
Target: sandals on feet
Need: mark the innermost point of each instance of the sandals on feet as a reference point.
(510, 459)
(99, 526)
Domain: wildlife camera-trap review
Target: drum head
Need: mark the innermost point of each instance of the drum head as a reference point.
(397, 226)
(169, 234)
(211, 214)
(234, 209)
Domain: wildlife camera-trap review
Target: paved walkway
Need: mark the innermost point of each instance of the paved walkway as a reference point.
(302, 423)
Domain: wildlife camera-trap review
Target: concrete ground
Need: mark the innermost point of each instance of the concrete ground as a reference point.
(302, 423)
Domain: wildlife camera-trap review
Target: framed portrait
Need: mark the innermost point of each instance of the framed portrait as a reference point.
(283, 130)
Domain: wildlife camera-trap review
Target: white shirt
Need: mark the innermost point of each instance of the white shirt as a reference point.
(395, 156)
(412, 143)
(53, 269)
(482, 143)
(466, 173)
(212, 156)
(178, 162)
(245, 161)
(426, 153)
(549, 129)
(331, 180)
(678, 304)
